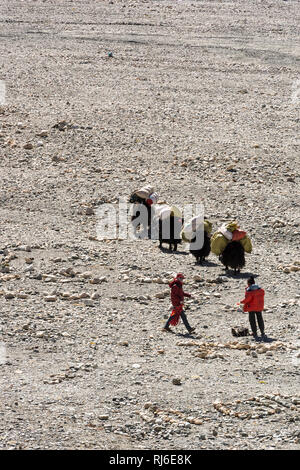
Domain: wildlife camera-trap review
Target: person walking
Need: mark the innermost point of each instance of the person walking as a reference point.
(177, 297)
(254, 304)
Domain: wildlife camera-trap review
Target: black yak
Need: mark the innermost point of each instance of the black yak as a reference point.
(170, 223)
(142, 212)
(233, 256)
(230, 243)
(201, 253)
(198, 235)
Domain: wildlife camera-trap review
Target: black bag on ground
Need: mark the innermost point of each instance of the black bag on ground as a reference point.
(239, 331)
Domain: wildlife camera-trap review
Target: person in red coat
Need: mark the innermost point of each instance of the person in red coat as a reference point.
(177, 298)
(254, 304)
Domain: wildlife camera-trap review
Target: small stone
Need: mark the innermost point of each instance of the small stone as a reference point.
(157, 428)
(95, 296)
(40, 334)
(95, 280)
(74, 297)
(24, 248)
(50, 298)
(98, 280)
(84, 295)
(43, 133)
(136, 366)
(162, 295)
(28, 146)
(89, 211)
(9, 295)
(69, 272)
(50, 278)
(28, 269)
(65, 295)
(176, 381)
(86, 275)
(22, 295)
(57, 158)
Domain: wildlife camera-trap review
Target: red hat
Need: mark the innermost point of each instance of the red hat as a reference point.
(180, 275)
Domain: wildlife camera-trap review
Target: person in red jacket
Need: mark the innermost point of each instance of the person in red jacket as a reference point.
(254, 304)
(177, 297)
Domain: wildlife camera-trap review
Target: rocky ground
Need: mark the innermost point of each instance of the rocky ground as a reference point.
(201, 100)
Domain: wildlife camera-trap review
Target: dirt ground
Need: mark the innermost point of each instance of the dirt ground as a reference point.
(200, 99)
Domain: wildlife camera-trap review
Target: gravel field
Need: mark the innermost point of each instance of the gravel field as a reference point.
(200, 99)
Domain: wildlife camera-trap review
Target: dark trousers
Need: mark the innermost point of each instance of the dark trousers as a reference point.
(253, 317)
(184, 319)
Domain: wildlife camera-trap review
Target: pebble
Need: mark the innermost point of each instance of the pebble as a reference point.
(40, 334)
(84, 295)
(86, 275)
(98, 280)
(24, 248)
(89, 211)
(176, 381)
(162, 295)
(43, 133)
(50, 298)
(22, 295)
(95, 296)
(65, 295)
(9, 295)
(28, 146)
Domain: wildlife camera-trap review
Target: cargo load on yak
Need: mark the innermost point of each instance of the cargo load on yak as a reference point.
(143, 200)
(144, 195)
(189, 230)
(230, 243)
(197, 233)
(164, 210)
(169, 221)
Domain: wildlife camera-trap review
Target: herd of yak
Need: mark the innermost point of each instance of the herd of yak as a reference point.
(165, 223)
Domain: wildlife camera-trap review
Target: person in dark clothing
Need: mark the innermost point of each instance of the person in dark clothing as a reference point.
(177, 297)
(254, 304)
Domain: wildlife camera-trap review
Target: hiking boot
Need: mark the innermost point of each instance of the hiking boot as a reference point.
(192, 330)
(166, 329)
